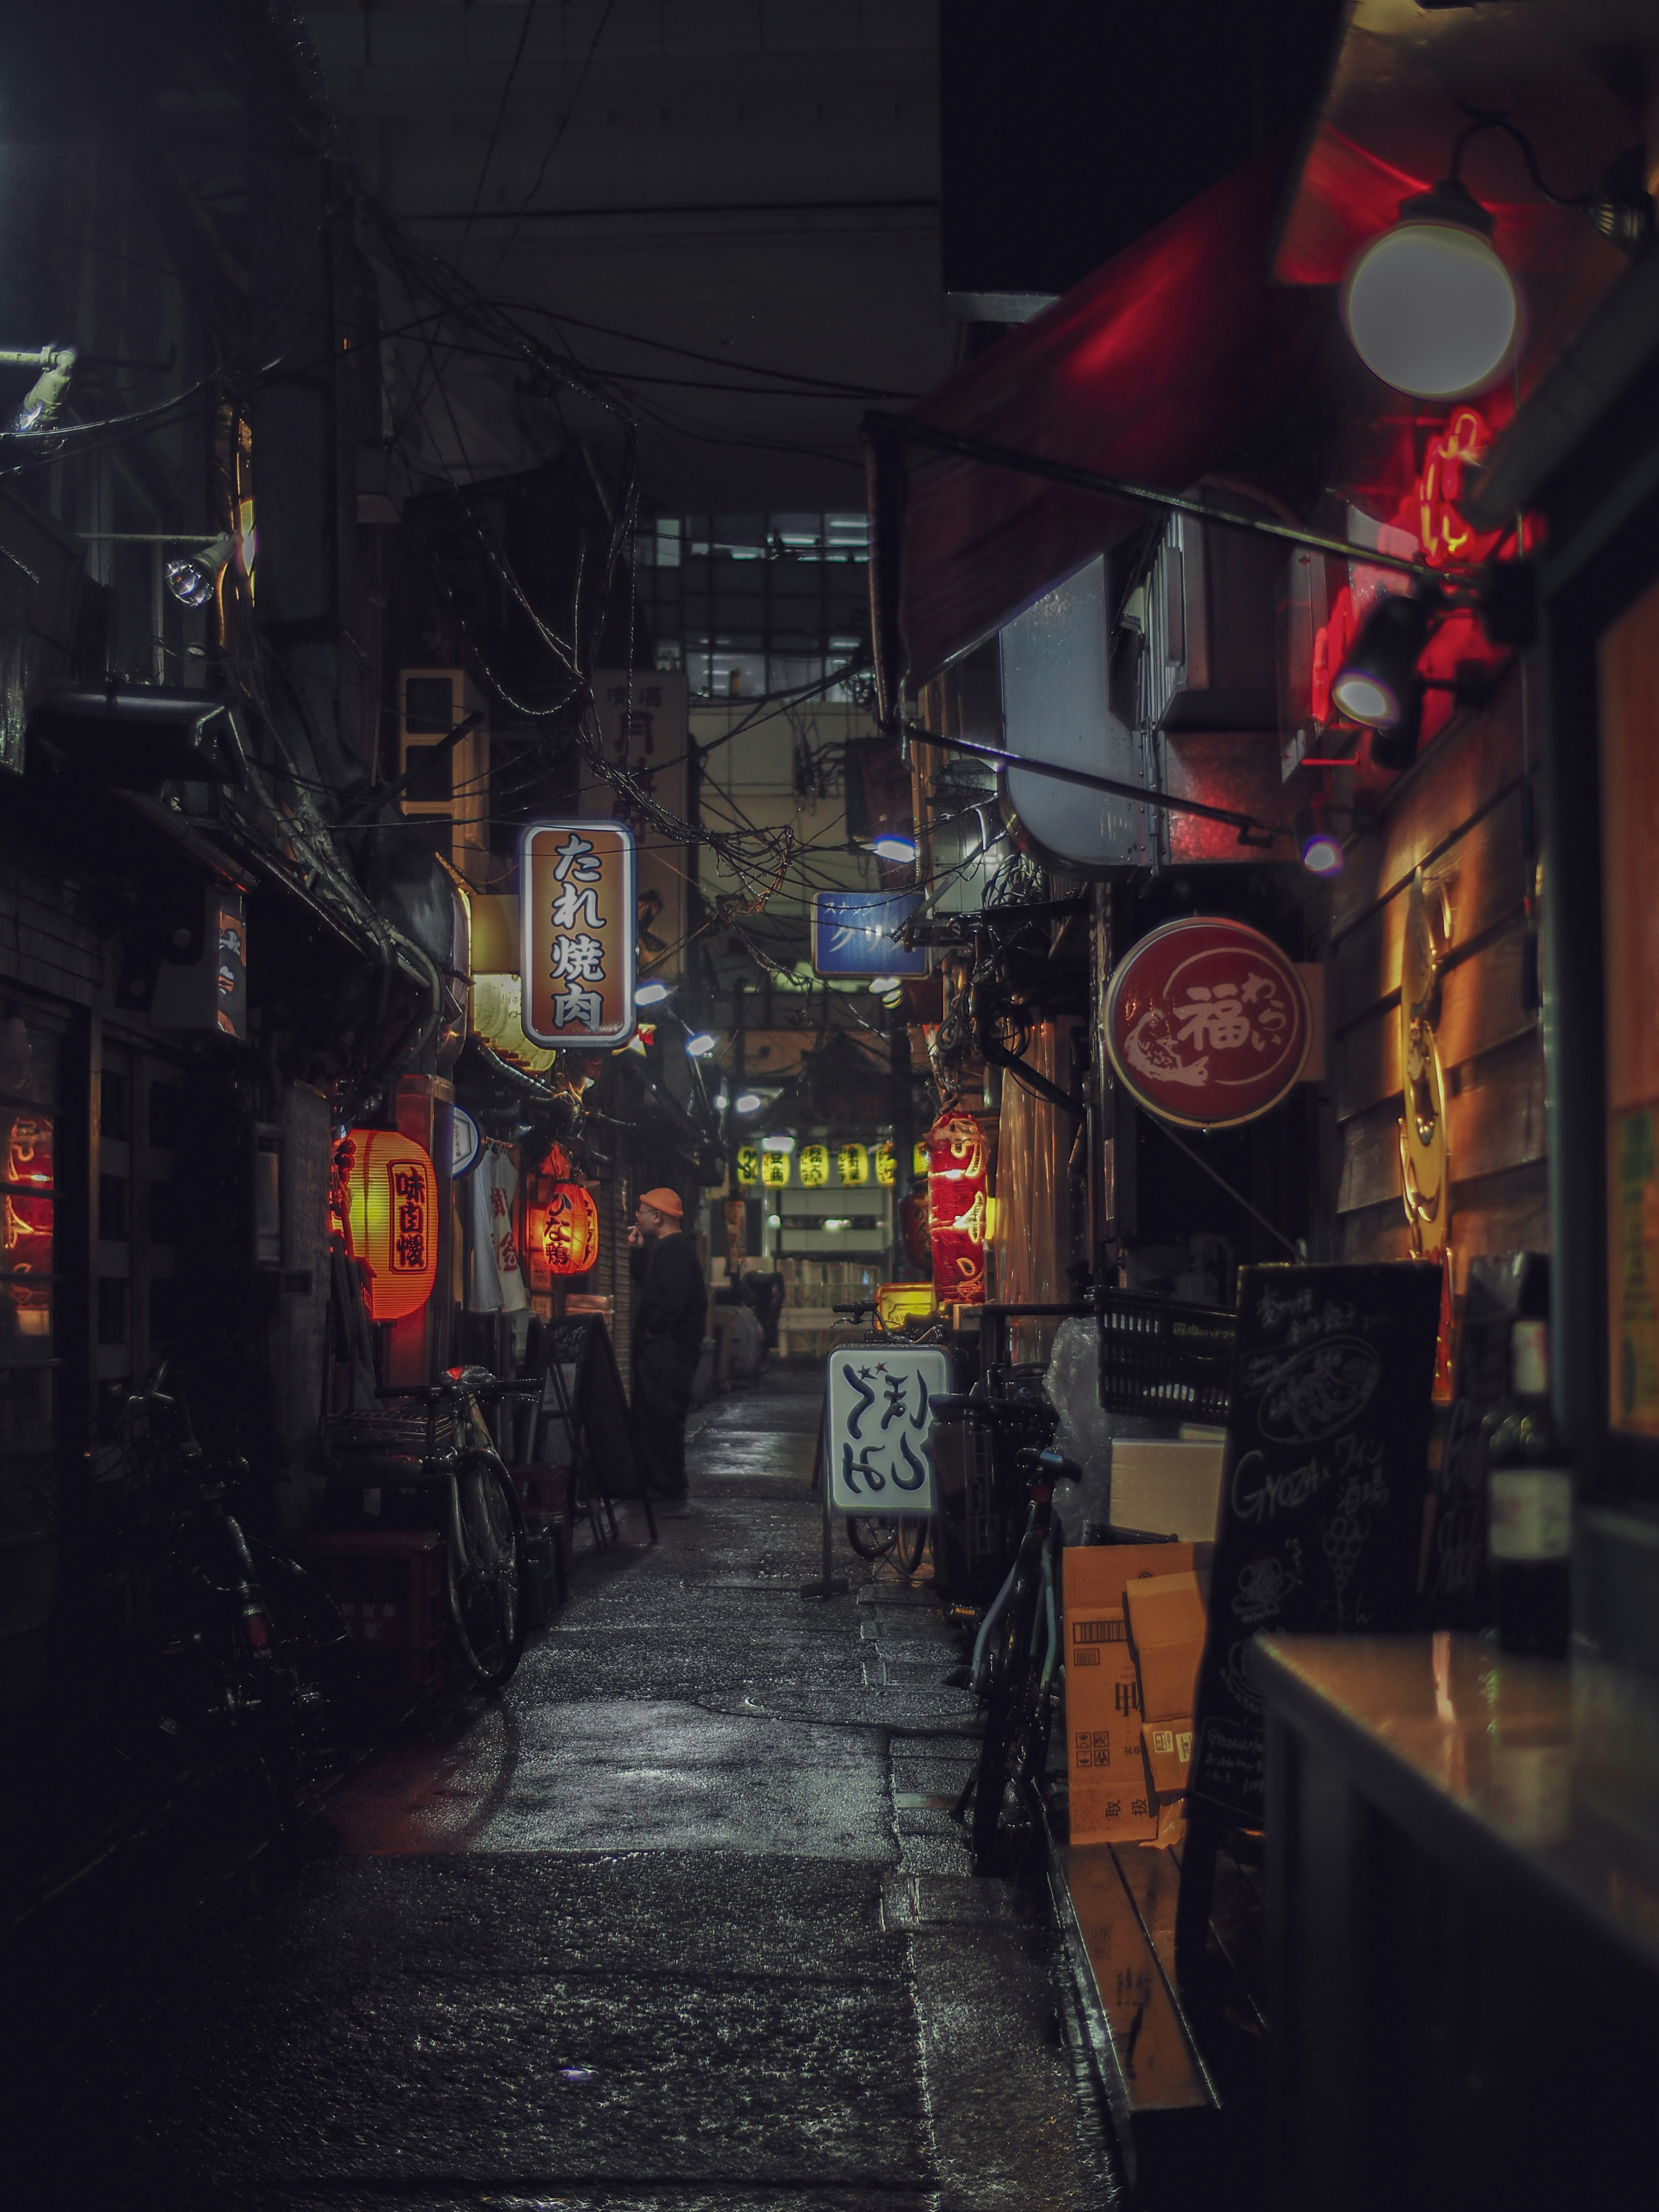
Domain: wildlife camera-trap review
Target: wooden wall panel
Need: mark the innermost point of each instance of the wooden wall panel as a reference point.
(1377, 1233)
(1370, 1158)
(1458, 817)
(1483, 875)
(1460, 777)
(1496, 1116)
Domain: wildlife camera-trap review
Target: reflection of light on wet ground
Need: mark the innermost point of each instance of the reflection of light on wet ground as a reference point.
(614, 1773)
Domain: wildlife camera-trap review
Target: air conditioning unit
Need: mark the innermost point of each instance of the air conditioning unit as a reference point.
(1212, 627)
(449, 790)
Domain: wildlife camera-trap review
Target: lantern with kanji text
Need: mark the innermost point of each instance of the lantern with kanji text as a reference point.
(814, 1166)
(390, 1190)
(567, 1228)
(957, 1190)
(852, 1166)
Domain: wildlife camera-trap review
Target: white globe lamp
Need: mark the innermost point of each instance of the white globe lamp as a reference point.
(1429, 305)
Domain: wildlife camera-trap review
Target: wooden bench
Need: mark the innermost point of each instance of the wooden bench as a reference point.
(1184, 2075)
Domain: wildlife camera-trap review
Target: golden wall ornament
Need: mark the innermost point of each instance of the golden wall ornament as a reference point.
(1424, 1150)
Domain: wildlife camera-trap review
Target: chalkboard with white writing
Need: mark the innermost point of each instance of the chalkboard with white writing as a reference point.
(1327, 1473)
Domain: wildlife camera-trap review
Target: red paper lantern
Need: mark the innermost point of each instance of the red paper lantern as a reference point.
(568, 1229)
(391, 1218)
(957, 1195)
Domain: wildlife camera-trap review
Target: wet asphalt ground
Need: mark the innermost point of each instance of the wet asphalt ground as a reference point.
(680, 1923)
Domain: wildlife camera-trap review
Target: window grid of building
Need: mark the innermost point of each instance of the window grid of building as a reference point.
(754, 604)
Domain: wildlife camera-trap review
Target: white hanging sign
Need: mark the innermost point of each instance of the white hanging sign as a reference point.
(879, 1427)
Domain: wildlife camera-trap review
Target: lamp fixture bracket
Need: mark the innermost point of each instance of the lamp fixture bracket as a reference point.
(1620, 206)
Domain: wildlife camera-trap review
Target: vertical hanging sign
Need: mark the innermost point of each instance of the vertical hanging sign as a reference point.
(577, 917)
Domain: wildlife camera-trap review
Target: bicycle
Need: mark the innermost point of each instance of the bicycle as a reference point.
(485, 1559)
(245, 1653)
(1019, 1648)
(874, 1535)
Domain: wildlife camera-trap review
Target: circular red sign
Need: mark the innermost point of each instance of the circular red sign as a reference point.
(1207, 1023)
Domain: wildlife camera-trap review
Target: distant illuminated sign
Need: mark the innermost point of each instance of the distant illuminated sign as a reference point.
(856, 933)
(578, 925)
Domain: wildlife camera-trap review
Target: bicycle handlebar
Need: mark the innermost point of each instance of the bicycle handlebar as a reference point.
(1005, 1413)
(447, 1391)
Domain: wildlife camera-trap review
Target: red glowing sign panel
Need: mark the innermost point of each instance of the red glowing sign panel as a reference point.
(957, 1191)
(1207, 1023)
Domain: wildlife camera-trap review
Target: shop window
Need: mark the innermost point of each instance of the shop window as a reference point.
(167, 1315)
(29, 1083)
(167, 1114)
(114, 1192)
(1628, 686)
(111, 1311)
(164, 1200)
(115, 1105)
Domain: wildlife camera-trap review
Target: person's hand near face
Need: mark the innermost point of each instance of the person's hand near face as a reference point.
(647, 1222)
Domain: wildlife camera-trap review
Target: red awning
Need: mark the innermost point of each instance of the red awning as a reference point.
(1161, 366)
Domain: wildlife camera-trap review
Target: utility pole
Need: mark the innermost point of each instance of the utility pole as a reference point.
(898, 1051)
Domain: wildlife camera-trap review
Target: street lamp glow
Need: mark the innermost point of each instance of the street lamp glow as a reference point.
(652, 994)
(777, 1143)
(193, 578)
(893, 849)
(1429, 305)
(749, 1102)
(699, 1043)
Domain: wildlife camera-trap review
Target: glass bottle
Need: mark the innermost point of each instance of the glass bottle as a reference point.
(1528, 1506)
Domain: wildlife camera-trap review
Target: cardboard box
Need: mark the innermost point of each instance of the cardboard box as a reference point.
(1168, 1487)
(1168, 1748)
(1110, 1802)
(1096, 1575)
(1111, 1799)
(1166, 1622)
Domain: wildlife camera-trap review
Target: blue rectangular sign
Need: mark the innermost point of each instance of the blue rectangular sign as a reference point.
(856, 933)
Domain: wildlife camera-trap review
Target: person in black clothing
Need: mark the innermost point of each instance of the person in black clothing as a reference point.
(669, 1315)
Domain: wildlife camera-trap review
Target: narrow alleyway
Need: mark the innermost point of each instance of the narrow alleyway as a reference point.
(681, 1922)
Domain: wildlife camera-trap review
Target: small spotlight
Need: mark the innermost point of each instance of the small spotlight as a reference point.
(45, 395)
(699, 1043)
(749, 1102)
(837, 1221)
(893, 849)
(777, 1143)
(1316, 838)
(722, 1099)
(774, 1221)
(652, 994)
(1377, 683)
(193, 578)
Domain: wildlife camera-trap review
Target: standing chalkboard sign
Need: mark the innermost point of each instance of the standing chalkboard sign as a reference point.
(1321, 1511)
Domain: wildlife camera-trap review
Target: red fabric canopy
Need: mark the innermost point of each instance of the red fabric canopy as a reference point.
(1159, 367)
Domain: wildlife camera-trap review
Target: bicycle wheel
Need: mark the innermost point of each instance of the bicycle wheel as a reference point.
(910, 1545)
(871, 1537)
(485, 1570)
(1016, 1743)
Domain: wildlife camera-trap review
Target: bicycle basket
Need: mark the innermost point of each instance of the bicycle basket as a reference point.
(1162, 1356)
(396, 1437)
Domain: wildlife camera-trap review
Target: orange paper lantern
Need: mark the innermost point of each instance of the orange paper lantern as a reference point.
(392, 1191)
(568, 1229)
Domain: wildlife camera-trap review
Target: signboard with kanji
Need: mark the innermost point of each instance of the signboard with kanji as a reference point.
(1207, 1023)
(856, 933)
(879, 1427)
(643, 737)
(577, 919)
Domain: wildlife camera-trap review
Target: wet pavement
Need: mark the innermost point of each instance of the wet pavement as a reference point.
(682, 1923)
